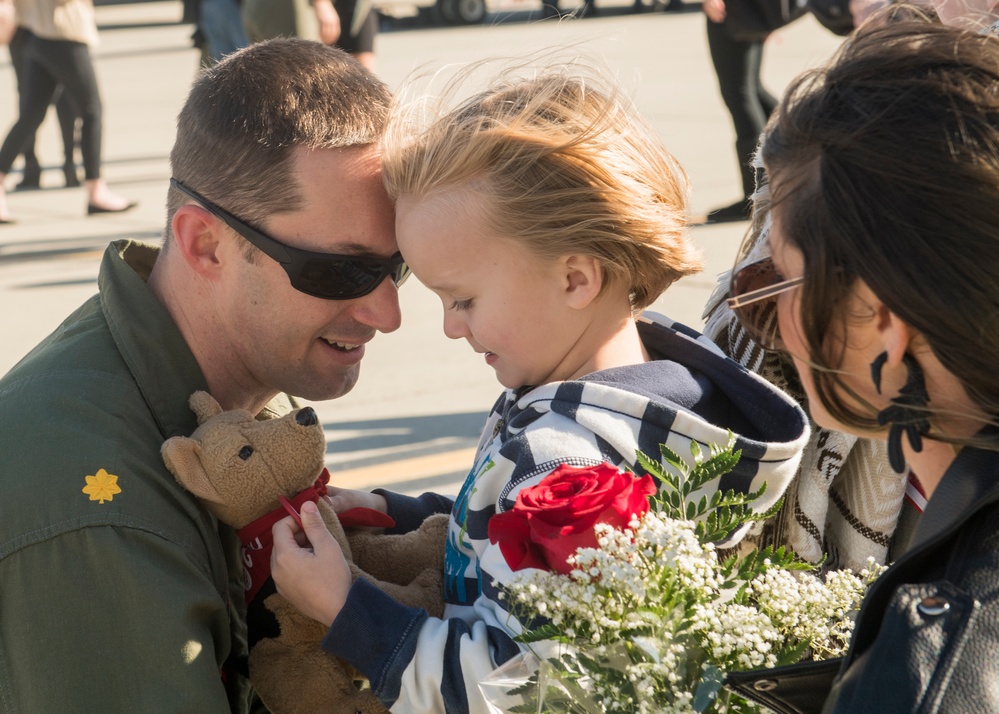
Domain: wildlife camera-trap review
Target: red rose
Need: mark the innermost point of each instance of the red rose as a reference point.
(550, 521)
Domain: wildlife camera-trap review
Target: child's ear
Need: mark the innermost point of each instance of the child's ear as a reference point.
(584, 276)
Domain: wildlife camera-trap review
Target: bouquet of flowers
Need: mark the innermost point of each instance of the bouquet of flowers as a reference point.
(628, 606)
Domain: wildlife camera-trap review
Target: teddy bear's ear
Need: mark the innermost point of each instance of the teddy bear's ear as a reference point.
(181, 456)
(204, 405)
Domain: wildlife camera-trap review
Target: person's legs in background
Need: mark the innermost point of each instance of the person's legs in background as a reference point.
(264, 19)
(767, 101)
(737, 65)
(49, 64)
(31, 174)
(70, 62)
(37, 92)
(65, 111)
(361, 45)
(67, 114)
(221, 22)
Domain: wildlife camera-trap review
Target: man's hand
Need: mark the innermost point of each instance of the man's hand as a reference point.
(314, 579)
(329, 21)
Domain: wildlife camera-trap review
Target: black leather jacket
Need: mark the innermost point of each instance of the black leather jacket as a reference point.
(927, 636)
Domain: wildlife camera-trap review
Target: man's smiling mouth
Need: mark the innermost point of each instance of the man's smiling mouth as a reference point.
(345, 346)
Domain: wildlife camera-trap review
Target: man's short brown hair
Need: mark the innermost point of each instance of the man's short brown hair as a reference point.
(245, 116)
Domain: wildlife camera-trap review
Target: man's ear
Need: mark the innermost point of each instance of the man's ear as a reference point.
(196, 236)
(583, 276)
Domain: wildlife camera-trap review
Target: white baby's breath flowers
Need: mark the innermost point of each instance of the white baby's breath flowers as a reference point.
(650, 618)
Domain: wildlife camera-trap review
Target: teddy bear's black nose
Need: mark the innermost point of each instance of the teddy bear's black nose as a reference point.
(307, 417)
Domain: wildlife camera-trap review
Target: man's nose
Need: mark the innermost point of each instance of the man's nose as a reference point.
(380, 308)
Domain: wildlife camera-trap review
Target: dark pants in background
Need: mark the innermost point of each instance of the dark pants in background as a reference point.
(49, 64)
(65, 110)
(737, 64)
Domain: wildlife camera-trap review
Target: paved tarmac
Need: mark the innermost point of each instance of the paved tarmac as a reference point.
(412, 422)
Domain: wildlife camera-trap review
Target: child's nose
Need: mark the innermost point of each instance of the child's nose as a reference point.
(454, 327)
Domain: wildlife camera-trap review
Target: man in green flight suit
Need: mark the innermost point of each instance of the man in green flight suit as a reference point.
(118, 593)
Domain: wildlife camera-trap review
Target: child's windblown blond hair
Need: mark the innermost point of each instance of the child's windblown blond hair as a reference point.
(564, 165)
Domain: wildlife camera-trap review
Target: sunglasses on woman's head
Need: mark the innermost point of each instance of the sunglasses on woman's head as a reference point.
(752, 297)
(323, 275)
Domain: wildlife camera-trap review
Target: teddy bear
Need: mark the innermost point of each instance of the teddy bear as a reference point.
(250, 473)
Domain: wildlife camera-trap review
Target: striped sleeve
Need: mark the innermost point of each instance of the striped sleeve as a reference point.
(417, 663)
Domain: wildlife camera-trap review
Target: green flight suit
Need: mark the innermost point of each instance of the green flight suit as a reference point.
(118, 593)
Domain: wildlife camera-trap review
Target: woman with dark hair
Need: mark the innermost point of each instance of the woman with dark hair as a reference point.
(882, 290)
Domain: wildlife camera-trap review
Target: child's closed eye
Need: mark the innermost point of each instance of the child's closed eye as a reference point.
(460, 305)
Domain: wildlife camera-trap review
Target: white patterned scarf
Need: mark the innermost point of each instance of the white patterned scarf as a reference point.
(846, 504)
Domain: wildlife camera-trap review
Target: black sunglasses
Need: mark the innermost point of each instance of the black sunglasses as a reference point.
(753, 293)
(323, 275)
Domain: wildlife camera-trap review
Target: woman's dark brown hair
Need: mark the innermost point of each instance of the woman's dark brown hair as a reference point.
(884, 166)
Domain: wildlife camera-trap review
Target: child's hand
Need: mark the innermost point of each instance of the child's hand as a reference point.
(316, 580)
(343, 499)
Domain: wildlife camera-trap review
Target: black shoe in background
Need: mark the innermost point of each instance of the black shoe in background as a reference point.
(31, 178)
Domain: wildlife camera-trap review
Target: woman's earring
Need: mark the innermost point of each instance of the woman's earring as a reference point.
(901, 416)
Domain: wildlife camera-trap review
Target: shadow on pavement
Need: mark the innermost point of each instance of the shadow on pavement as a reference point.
(403, 437)
(136, 26)
(61, 284)
(444, 484)
(155, 50)
(41, 249)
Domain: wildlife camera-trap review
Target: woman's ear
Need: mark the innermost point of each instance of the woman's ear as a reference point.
(196, 237)
(894, 335)
(584, 277)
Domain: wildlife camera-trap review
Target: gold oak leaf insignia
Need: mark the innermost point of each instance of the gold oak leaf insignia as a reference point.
(102, 486)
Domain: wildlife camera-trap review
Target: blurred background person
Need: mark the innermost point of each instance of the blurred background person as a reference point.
(357, 34)
(218, 27)
(31, 173)
(57, 52)
(737, 59)
(323, 20)
(266, 19)
(220, 23)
